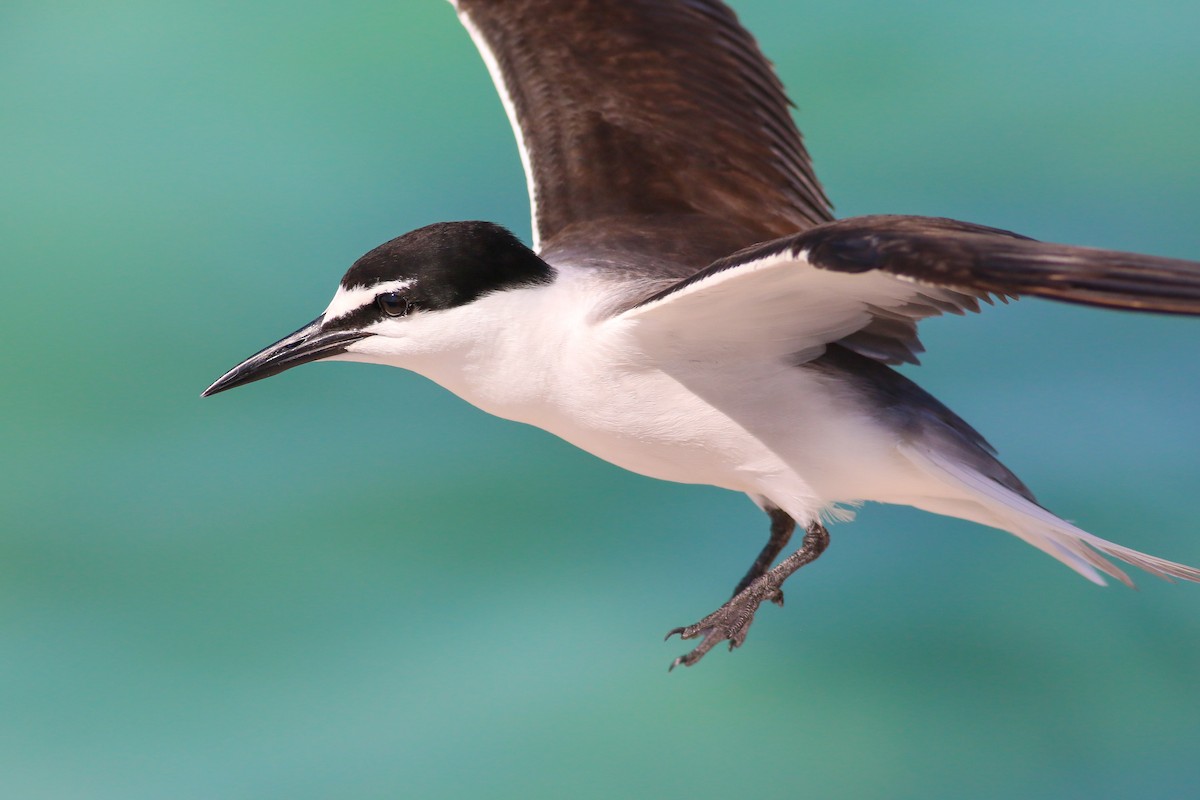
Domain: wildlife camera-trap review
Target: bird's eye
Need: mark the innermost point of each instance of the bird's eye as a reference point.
(393, 304)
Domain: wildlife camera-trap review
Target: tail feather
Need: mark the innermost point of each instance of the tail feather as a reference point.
(1001, 507)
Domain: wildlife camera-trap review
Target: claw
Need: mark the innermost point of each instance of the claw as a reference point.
(731, 622)
(673, 632)
(712, 636)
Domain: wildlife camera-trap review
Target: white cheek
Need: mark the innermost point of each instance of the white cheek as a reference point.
(375, 347)
(390, 342)
(351, 356)
(407, 342)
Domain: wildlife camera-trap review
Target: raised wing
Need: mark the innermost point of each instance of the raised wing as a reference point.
(628, 109)
(865, 282)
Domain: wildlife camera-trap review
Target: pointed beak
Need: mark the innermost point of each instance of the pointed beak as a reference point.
(309, 343)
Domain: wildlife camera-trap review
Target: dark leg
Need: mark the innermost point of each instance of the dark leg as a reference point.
(781, 533)
(732, 621)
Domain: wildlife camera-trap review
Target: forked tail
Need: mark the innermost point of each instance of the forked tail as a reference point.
(985, 500)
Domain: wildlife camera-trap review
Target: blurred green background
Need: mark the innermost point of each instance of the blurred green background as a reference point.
(344, 582)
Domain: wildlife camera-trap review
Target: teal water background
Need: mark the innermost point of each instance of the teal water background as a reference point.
(346, 583)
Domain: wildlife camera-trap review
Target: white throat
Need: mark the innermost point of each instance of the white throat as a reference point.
(503, 352)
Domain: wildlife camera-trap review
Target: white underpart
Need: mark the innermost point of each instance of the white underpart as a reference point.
(493, 67)
(684, 403)
(347, 300)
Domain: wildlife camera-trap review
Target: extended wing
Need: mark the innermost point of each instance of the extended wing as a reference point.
(865, 282)
(634, 110)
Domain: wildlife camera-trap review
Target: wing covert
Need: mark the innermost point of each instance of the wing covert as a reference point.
(637, 108)
(865, 283)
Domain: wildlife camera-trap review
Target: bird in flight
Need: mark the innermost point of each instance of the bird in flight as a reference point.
(691, 310)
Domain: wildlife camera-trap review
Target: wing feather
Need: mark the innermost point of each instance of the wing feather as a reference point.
(636, 108)
(866, 282)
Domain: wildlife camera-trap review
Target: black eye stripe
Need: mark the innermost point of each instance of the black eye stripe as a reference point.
(358, 319)
(393, 304)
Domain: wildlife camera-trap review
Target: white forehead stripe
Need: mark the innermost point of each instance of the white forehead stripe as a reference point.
(347, 300)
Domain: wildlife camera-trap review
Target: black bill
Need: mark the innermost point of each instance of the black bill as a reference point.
(309, 343)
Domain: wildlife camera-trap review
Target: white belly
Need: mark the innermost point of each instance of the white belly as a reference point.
(763, 427)
(771, 431)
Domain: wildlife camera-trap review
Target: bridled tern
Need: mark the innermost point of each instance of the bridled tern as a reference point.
(692, 311)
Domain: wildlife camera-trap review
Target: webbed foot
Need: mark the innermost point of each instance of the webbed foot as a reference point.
(731, 622)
